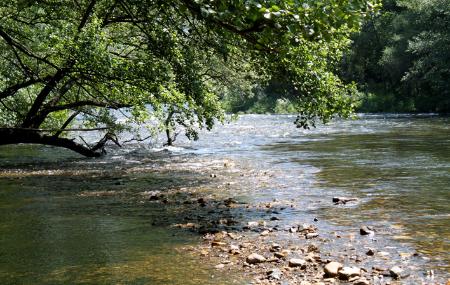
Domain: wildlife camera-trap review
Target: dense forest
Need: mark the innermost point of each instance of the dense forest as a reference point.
(400, 61)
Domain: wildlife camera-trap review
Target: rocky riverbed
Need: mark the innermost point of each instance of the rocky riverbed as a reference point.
(273, 250)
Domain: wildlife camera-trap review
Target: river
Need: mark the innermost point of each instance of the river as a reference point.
(68, 219)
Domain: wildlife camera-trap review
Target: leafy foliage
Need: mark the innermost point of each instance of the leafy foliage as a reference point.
(402, 57)
(87, 59)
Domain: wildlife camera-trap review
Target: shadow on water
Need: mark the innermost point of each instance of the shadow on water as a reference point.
(66, 219)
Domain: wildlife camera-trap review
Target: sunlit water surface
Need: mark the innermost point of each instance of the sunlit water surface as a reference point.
(67, 219)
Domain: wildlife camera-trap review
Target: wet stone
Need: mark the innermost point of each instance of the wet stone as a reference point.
(255, 258)
(370, 252)
(366, 230)
(275, 247)
(332, 269)
(311, 235)
(347, 273)
(344, 200)
(296, 262)
(396, 272)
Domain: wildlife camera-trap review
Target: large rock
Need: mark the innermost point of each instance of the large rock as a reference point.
(297, 262)
(332, 269)
(347, 273)
(255, 258)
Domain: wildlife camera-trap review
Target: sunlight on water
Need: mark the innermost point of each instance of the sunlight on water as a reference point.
(67, 219)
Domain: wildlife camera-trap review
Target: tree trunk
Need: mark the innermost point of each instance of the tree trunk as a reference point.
(24, 136)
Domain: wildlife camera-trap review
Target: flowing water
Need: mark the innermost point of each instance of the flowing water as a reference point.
(66, 219)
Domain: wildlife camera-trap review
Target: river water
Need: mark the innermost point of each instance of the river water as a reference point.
(67, 219)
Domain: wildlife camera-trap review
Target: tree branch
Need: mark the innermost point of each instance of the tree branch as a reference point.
(17, 136)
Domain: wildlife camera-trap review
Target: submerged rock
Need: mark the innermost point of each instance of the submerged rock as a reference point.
(255, 258)
(397, 273)
(344, 200)
(332, 269)
(366, 230)
(370, 252)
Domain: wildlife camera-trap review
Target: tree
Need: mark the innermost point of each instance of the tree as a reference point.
(69, 65)
(402, 57)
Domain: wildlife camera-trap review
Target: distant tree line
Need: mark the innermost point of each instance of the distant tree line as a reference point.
(399, 61)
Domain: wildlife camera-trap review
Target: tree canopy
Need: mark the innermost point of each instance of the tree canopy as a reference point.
(69, 64)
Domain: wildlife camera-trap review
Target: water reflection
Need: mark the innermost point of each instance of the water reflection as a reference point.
(68, 222)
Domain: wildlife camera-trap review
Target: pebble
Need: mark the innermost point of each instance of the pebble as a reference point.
(347, 273)
(275, 247)
(274, 274)
(297, 262)
(396, 272)
(370, 252)
(332, 269)
(255, 258)
(311, 235)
